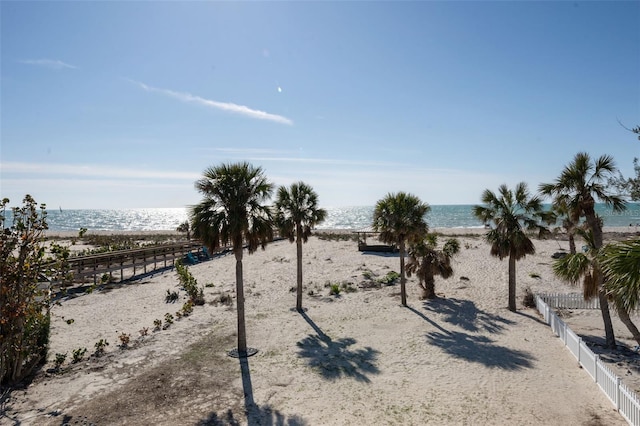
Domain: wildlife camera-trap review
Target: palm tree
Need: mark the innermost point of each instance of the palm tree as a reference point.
(581, 183)
(510, 214)
(231, 212)
(427, 262)
(620, 264)
(185, 227)
(614, 265)
(297, 212)
(400, 219)
(570, 221)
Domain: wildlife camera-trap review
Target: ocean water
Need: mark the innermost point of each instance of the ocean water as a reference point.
(347, 218)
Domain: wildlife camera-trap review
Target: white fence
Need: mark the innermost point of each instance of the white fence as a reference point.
(569, 301)
(624, 399)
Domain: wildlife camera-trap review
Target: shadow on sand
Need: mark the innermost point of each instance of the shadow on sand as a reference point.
(473, 347)
(256, 415)
(465, 314)
(333, 359)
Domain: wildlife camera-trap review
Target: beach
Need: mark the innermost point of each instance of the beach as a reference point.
(357, 358)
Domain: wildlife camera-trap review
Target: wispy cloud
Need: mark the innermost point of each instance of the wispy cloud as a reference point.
(224, 106)
(93, 171)
(53, 64)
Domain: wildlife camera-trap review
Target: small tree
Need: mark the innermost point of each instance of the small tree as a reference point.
(427, 262)
(185, 228)
(400, 219)
(24, 316)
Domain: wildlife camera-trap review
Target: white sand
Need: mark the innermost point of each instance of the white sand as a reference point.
(357, 359)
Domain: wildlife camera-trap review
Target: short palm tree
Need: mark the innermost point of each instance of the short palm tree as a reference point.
(612, 265)
(296, 213)
(570, 221)
(399, 218)
(580, 184)
(232, 213)
(510, 214)
(427, 262)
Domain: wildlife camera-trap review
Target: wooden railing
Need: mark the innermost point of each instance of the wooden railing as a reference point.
(133, 261)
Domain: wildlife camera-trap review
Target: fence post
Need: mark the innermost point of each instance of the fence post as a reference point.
(579, 349)
(596, 363)
(565, 334)
(618, 381)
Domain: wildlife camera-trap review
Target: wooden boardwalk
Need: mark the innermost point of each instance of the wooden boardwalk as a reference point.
(130, 263)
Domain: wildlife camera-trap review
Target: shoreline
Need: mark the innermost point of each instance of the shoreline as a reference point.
(625, 231)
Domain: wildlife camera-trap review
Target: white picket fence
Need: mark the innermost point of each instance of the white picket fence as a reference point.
(624, 399)
(569, 301)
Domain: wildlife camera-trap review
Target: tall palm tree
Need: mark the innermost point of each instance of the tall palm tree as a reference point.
(427, 262)
(400, 219)
(297, 212)
(580, 184)
(614, 265)
(510, 214)
(231, 213)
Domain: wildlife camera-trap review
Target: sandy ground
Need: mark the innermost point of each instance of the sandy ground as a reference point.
(358, 358)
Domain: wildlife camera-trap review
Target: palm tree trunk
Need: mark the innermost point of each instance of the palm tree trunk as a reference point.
(299, 268)
(242, 333)
(572, 243)
(626, 320)
(596, 229)
(429, 289)
(512, 283)
(403, 279)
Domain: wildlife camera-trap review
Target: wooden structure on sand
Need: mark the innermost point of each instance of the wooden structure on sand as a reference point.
(380, 248)
(135, 261)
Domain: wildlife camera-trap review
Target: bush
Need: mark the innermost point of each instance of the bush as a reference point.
(190, 285)
(390, 278)
(24, 313)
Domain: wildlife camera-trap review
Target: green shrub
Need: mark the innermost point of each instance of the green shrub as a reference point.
(334, 289)
(389, 279)
(100, 346)
(190, 284)
(60, 359)
(78, 354)
(24, 313)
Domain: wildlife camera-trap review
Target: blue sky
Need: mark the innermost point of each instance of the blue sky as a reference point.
(124, 104)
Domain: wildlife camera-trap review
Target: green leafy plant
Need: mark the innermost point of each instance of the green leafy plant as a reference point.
(24, 314)
(534, 275)
(187, 308)
(82, 232)
(77, 355)
(334, 289)
(168, 320)
(144, 331)
(389, 279)
(209, 285)
(100, 346)
(157, 324)
(60, 359)
(190, 284)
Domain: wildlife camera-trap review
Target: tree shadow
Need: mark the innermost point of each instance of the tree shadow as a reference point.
(480, 349)
(256, 415)
(476, 348)
(465, 314)
(333, 359)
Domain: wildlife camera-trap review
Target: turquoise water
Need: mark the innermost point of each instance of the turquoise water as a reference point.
(441, 216)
